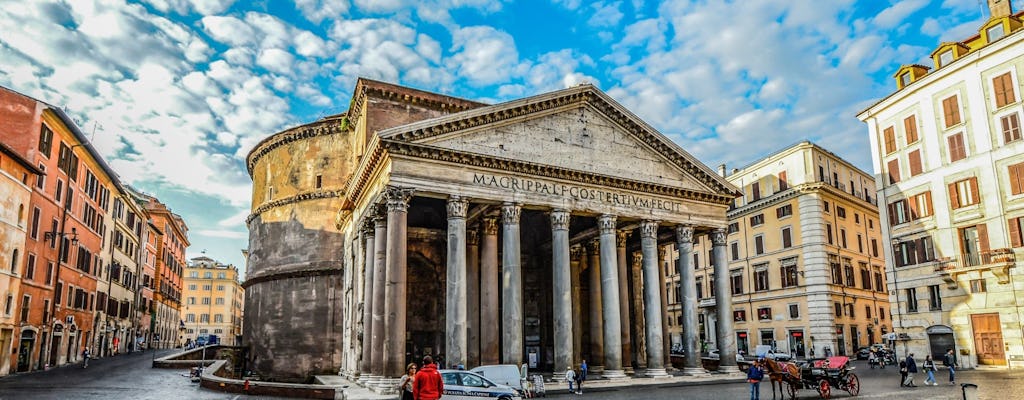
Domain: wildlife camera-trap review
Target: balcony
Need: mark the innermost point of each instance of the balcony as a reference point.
(708, 302)
(998, 261)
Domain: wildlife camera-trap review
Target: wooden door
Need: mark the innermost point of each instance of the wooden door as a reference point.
(988, 339)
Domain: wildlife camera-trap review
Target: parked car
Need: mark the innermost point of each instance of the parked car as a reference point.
(503, 374)
(863, 352)
(766, 351)
(466, 385)
(713, 354)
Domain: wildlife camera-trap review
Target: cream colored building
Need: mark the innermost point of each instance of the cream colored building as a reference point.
(805, 262)
(949, 161)
(213, 300)
(118, 283)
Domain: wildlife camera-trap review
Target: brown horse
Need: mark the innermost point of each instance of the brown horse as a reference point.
(787, 373)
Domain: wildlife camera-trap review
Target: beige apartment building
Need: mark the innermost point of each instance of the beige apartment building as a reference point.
(805, 263)
(213, 301)
(949, 163)
(117, 304)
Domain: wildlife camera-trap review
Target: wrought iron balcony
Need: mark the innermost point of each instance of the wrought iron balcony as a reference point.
(999, 261)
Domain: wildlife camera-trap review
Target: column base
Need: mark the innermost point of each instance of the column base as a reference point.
(614, 374)
(728, 369)
(694, 371)
(368, 380)
(629, 370)
(386, 386)
(656, 373)
(597, 369)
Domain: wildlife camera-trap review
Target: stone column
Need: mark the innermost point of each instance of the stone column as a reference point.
(575, 253)
(511, 286)
(395, 290)
(725, 337)
(379, 281)
(627, 348)
(473, 297)
(596, 319)
(663, 279)
(368, 262)
(610, 299)
(652, 300)
(561, 283)
(455, 318)
(688, 285)
(639, 342)
(490, 321)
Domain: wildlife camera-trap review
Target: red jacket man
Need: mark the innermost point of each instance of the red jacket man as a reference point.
(428, 384)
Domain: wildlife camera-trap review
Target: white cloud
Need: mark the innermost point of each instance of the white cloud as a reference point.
(484, 55)
(898, 12)
(605, 14)
(275, 60)
(317, 10)
(229, 30)
(186, 7)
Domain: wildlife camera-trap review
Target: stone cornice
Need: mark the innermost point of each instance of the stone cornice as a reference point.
(319, 128)
(796, 191)
(509, 165)
(324, 194)
(367, 87)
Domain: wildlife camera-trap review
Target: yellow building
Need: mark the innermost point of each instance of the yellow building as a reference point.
(948, 158)
(213, 301)
(805, 262)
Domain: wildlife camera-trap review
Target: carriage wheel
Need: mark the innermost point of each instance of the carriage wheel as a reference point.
(853, 384)
(824, 389)
(791, 387)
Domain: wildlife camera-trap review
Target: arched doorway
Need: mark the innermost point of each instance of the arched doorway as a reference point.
(940, 338)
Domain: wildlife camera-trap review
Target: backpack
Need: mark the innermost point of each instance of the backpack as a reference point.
(755, 373)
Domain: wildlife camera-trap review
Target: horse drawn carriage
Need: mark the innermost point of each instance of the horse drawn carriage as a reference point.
(820, 374)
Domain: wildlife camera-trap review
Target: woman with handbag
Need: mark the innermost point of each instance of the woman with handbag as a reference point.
(929, 368)
(405, 386)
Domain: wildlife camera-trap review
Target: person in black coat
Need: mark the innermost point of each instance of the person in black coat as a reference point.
(911, 370)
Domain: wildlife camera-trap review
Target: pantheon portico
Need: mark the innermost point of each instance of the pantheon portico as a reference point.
(524, 232)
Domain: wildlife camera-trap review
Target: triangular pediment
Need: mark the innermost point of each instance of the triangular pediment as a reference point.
(576, 129)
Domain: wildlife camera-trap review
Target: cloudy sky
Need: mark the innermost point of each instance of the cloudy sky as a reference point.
(178, 91)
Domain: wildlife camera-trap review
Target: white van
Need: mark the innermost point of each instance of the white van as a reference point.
(504, 374)
(463, 385)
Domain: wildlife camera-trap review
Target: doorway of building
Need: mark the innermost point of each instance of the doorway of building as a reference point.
(28, 339)
(940, 338)
(55, 349)
(840, 341)
(796, 342)
(988, 339)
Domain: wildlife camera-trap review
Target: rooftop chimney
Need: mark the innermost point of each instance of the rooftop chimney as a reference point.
(721, 170)
(1000, 8)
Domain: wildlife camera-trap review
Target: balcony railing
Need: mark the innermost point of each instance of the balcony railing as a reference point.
(999, 261)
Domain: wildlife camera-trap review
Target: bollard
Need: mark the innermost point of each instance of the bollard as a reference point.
(969, 390)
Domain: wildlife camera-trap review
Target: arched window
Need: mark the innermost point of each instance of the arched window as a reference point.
(14, 260)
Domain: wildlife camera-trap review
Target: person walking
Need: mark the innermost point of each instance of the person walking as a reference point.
(929, 368)
(950, 362)
(911, 370)
(427, 384)
(405, 386)
(582, 377)
(85, 358)
(903, 373)
(570, 376)
(754, 376)
(872, 358)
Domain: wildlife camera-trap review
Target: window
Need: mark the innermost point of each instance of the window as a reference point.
(905, 79)
(9, 305)
(837, 272)
(700, 289)
(890, 140)
(206, 300)
(874, 247)
(860, 243)
(878, 282)
(192, 287)
(208, 275)
(995, 33)
(794, 311)
(964, 193)
(207, 287)
(757, 220)
(220, 288)
(761, 277)
(191, 300)
(856, 218)
(851, 280)
(783, 182)
(1002, 86)
(850, 310)
(45, 140)
(734, 250)
(945, 58)
(1016, 228)
(893, 166)
(838, 307)
(1011, 128)
(828, 233)
(911, 300)
(319, 181)
(218, 318)
(734, 227)
(1016, 173)
(978, 286)
(764, 314)
(951, 111)
(789, 273)
(220, 301)
(739, 315)
(914, 159)
(825, 203)
(842, 237)
(910, 128)
(26, 300)
(759, 244)
(755, 191)
(30, 266)
(787, 239)
(49, 273)
(736, 281)
(841, 212)
(865, 277)
(204, 318)
(934, 298)
(220, 275)
(921, 205)
(784, 211)
(41, 178)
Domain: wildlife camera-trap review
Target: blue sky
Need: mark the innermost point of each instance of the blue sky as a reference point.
(178, 91)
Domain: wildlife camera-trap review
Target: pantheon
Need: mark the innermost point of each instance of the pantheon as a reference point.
(525, 232)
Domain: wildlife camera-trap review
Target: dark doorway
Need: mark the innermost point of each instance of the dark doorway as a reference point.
(28, 339)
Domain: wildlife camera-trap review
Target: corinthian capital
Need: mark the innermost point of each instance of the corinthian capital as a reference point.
(718, 237)
(606, 224)
(575, 252)
(397, 198)
(510, 213)
(457, 207)
(684, 234)
(472, 237)
(490, 225)
(649, 229)
(621, 237)
(560, 220)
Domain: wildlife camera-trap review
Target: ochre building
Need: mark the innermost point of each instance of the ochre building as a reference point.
(417, 223)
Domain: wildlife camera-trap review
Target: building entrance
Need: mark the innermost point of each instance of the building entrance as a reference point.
(28, 339)
(988, 339)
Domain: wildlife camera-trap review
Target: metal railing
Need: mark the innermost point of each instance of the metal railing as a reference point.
(970, 260)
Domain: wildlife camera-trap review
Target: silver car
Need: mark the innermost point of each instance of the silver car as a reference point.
(465, 385)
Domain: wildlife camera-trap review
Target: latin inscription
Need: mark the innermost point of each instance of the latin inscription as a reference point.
(577, 192)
